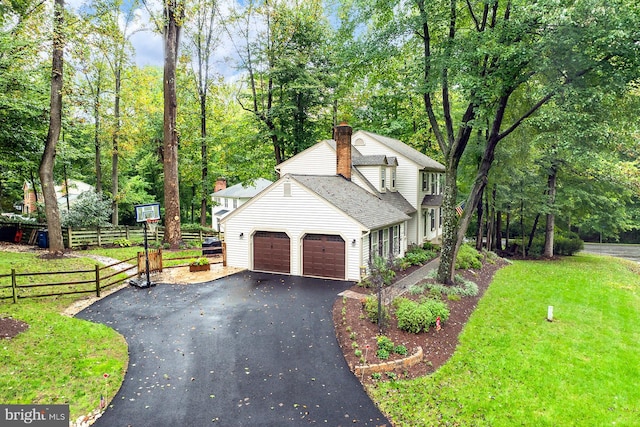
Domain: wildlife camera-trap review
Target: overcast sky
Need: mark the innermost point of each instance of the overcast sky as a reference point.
(148, 44)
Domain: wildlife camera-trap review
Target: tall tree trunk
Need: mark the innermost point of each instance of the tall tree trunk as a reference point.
(480, 231)
(498, 235)
(449, 252)
(548, 233)
(491, 229)
(114, 155)
(52, 212)
(507, 230)
(174, 14)
(96, 132)
(533, 232)
(203, 152)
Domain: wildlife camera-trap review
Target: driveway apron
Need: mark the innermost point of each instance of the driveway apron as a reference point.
(250, 349)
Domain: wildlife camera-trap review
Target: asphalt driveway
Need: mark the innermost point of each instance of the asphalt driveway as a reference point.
(252, 349)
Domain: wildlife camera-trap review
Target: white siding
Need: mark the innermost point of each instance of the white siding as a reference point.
(300, 214)
(372, 174)
(407, 181)
(317, 160)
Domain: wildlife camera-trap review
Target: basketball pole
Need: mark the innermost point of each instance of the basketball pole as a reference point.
(146, 253)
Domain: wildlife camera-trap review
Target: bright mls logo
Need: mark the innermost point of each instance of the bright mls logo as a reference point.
(34, 415)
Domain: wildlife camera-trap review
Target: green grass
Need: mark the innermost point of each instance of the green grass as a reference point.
(58, 359)
(512, 367)
(126, 253)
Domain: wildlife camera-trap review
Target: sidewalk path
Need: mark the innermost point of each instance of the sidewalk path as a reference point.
(402, 285)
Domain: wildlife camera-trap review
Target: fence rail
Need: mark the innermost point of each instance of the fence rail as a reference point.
(82, 281)
(26, 233)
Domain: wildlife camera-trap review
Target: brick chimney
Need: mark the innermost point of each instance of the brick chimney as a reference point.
(221, 184)
(342, 136)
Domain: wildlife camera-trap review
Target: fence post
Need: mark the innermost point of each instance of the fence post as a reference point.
(13, 285)
(126, 232)
(99, 239)
(97, 280)
(70, 238)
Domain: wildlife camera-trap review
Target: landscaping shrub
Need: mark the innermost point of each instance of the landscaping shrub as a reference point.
(468, 257)
(400, 349)
(371, 309)
(567, 245)
(385, 343)
(415, 317)
(564, 243)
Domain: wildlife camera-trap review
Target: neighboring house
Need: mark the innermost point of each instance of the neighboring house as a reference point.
(226, 200)
(65, 196)
(336, 205)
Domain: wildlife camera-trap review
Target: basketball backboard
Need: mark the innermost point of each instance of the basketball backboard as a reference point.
(148, 211)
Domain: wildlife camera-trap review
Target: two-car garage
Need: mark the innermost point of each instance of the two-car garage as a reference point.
(323, 255)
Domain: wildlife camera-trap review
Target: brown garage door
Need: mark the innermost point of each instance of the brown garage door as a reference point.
(323, 256)
(271, 252)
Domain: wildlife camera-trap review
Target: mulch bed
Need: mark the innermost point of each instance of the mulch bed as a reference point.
(437, 346)
(9, 327)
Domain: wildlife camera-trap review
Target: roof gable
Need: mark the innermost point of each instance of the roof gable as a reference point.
(405, 150)
(359, 204)
(239, 191)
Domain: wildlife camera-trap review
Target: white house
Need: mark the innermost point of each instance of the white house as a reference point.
(390, 169)
(336, 205)
(66, 194)
(226, 200)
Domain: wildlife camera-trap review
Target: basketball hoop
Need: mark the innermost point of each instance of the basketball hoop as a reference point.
(152, 224)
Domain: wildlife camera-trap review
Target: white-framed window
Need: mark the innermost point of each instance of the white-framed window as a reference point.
(424, 223)
(434, 184)
(425, 181)
(373, 251)
(393, 178)
(385, 242)
(226, 202)
(396, 239)
(440, 217)
(432, 214)
(235, 203)
(383, 178)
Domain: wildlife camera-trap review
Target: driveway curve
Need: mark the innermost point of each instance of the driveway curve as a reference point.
(252, 349)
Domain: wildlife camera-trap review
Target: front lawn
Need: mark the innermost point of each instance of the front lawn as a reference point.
(57, 359)
(512, 367)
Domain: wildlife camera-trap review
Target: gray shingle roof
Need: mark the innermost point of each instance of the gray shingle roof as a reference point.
(239, 191)
(398, 201)
(373, 160)
(359, 204)
(411, 153)
(432, 200)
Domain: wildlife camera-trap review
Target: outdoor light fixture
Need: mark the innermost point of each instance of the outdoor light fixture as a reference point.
(241, 235)
(353, 242)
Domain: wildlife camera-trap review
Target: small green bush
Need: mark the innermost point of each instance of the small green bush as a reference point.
(358, 353)
(122, 243)
(376, 375)
(415, 317)
(385, 343)
(382, 354)
(400, 349)
(468, 257)
(371, 309)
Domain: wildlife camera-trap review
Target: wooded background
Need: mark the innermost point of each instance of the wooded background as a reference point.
(532, 106)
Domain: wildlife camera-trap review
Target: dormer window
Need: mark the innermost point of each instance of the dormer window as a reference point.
(393, 178)
(383, 178)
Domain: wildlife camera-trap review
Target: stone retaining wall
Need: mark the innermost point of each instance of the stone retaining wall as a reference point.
(416, 357)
